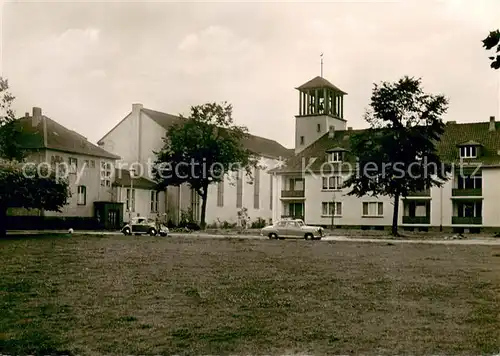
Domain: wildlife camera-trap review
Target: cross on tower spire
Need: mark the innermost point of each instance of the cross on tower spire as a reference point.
(321, 65)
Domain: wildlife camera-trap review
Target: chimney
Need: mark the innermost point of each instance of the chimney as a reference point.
(37, 116)
(349, 129)
(136, 108)
(36, 119)
(492, 123)
(331, 131)
(26, 115)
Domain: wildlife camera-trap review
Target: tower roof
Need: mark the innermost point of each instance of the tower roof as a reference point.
(319, 83)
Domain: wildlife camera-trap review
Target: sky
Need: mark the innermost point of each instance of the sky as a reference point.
(86, 63)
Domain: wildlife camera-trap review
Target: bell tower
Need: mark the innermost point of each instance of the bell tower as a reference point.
(321, 105)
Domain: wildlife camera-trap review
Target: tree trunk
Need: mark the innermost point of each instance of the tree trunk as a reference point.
(3, 221)
(395, 216)
(203, 207)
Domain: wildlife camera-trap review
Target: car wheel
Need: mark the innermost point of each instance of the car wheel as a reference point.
(308, 237)
(126, 231)
(152, 232)
(273, 236)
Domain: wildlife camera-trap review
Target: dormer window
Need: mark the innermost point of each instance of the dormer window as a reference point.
(335, 154)
(335, 157)
(470, 149)
(468, 152)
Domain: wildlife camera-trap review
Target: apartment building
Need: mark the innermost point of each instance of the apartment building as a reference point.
(306, 189)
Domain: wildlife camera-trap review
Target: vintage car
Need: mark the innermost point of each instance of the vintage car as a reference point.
(292, 229)
(142, 225)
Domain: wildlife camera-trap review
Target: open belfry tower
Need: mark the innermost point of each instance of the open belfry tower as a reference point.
(321, 105)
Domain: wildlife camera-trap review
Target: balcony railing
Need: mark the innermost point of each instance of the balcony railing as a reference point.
(474, 220)
(458, 192)
(416, 219)
(292, 194)
(422, 193)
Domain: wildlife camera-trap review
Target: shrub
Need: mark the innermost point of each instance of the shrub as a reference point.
(259, 223)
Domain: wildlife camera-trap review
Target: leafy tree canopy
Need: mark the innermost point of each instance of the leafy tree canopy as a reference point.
(489, 43)
(397, 154)
(200, 149)
(10, 134)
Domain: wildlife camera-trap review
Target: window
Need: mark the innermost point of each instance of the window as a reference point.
(57, 164)
(296, 184)
(86, 163)
(82, 195)
(468, 152)
(469, 209)
(92, 163)
(105, 174)
(256, 189)
(331, 208)
(318, 127)
(239, 190)
(470, 182)
(301, 140)
(73, 165)
(130, 204)
(332, 183)
(155, 195)
(373, 209)
(220, 193)
(281, 224)
(335, 157)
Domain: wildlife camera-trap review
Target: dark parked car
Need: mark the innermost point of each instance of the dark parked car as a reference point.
(142, 225)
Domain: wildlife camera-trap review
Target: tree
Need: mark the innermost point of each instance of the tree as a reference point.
(23, 184)
(29, 186)
(201, 149)
(397, 154)
(10, 134)
(493, 40)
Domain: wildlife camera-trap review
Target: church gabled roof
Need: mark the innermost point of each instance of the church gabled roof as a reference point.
(319, 83)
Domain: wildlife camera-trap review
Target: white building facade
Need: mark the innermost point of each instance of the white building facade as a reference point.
(140, 134)
(466, 202)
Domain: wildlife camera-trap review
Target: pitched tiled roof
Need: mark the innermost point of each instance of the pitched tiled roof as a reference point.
(161, 118)
(447, 147)
(478, 133)
(59, 138)
(122, 178)
(319, 83)
(256, 144)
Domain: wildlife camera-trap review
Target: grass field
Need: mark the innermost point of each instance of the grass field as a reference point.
(144, 295)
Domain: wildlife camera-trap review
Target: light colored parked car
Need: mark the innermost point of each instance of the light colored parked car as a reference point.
(292, 229)
(142, 225)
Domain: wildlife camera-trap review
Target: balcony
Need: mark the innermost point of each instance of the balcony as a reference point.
(474, 192)
(470, 220)
(292, 194)
(422, 193)
(416, 220)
